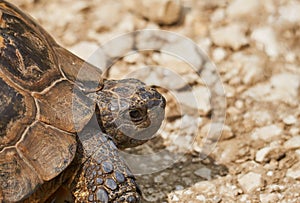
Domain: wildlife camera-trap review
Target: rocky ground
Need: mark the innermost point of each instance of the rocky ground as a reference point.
(255, 46)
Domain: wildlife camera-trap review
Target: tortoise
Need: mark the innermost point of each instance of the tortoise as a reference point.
(62, 123)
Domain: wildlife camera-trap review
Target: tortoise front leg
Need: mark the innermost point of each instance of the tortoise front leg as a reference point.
(104, 176)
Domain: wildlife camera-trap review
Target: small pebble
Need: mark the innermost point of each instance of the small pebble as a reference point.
(250, 182)
(267, 133)
(268, 198)
(293, 143)
(201, 198)
(159, 11)
(232, 36)
(219, 54)
(203, 173)
(261, 154)
(266, 39)
(290, 120)
(239, 8)
(290, 12)
(294, 172)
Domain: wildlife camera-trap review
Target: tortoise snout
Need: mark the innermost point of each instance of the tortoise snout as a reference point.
(154, 99)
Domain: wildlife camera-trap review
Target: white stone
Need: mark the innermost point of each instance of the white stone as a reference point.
(172, 64)
(267, 133)
(173, 197)
(197, 99)
(290, 120)
(204, 173)
(244, 198)
(259, 92)
(205, 187)
(266, 39)
(262, 154)
(232, 35)
(238, 8)
(182, 143)
(276, 187)
(251, 67)
(239, 104)
(286, 86)
(201, 198)
(219, 54)
(276, 144)
(119, 46)
(259, 117)
(252, 74)
(218, 15)
(132, 58)
(282, 87)
(188, 192)
(294, 131)
(298, 153)
(157, 75)
(127, 24)
(174, 44)
(179, 187)
(250, 182)
(226, 189)
(293, 143)
(189, 123)
(216, 131)
(103, 16)
(228, 153)
(187, 98)
(294, 172)
(205, 43)
(159, 11)
(226, 133)
(290, 57)
(290, 12)
(268, 198)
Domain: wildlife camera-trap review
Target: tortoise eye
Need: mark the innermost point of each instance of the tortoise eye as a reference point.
(136, 115)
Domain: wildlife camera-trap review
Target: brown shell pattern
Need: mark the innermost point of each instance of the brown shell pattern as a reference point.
(37, 80)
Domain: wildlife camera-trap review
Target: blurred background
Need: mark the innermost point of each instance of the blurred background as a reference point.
(256, 48)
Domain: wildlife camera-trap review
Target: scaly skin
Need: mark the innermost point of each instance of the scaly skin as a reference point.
(104, 177)
(129, 114)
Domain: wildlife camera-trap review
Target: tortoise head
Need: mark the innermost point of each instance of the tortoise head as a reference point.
(129, 111)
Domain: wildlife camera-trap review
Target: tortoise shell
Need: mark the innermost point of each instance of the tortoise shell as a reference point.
(48, 100)
(37, 126)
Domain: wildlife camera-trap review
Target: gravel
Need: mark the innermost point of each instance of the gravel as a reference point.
(255, 46)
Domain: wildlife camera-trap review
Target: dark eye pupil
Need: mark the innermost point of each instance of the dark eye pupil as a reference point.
(135, 114)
